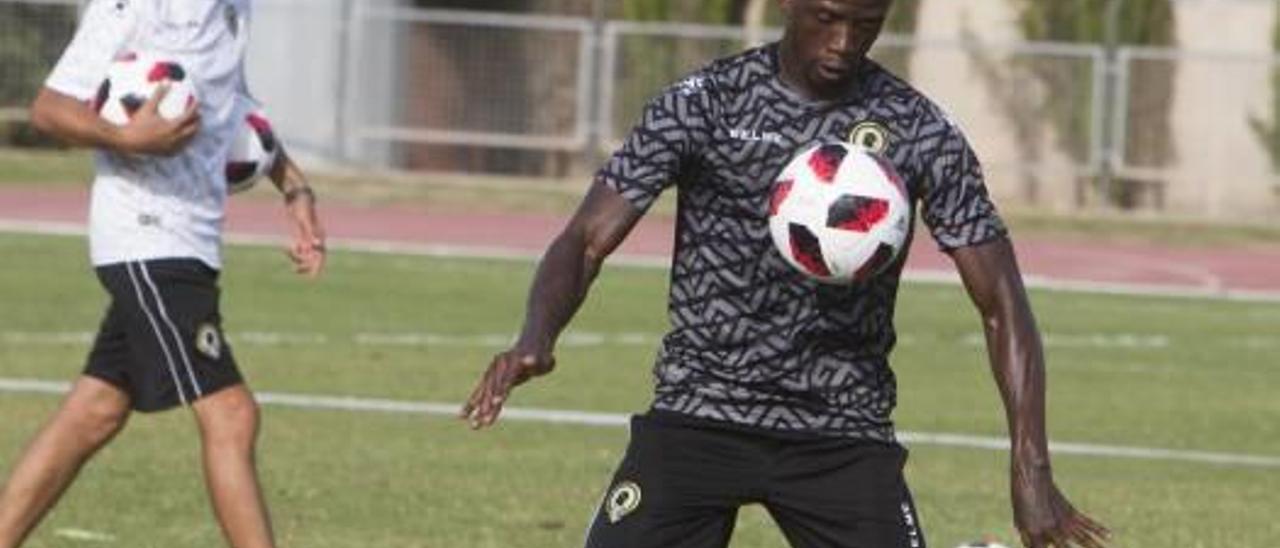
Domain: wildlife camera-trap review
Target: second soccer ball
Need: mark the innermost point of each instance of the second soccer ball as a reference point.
(253, 153)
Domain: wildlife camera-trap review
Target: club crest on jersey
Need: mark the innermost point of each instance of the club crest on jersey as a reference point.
(871, 136)
(623, 499)
(209, 341)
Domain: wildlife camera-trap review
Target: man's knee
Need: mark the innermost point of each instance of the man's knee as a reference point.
(228, 416)
(94, 415)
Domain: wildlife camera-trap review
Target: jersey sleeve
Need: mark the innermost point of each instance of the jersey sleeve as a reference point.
(673, 129)
(105, 28)
(955, 204)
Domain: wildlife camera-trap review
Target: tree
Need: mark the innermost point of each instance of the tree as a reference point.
(1150, 93)
(903, 19)
(31, 38)
(1268, 131)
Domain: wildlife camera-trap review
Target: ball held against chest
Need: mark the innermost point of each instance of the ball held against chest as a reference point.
(131, 80)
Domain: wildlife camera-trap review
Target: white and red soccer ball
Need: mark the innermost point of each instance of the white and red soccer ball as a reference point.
(839, 214)
(133, 77)
(254, 151)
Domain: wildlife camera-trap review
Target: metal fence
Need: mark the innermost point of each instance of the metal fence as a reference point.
(32, 34)
(1194, 133)
(548, 96)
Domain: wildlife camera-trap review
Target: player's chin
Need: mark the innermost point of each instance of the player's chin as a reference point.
(827, 79)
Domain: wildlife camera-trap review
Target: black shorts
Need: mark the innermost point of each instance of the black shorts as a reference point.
(681, 483)
(161, 340)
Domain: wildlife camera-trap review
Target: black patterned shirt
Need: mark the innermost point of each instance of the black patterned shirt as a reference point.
(753, 342)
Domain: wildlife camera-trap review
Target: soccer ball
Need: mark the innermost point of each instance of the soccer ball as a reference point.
(839, 213)
(133, 77)
(253, 153)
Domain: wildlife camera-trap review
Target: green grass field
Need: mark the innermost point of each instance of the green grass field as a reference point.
(1179, 374)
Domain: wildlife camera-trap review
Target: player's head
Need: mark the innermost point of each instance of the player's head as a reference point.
(826, 40)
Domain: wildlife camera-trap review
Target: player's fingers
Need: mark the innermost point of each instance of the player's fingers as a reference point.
(152, 104)
(183, 135)
(189, 122)
(317, 263)
(469, 407)
(192, 108)
(472, 406)
(1087, 540)
(1031, 541)
(504, 379)
(294, 257)
(1094, 527)
(488, 409)
(1059, 538)
(190, 116)
(491, 403)
(1083, 534)
(479, 401)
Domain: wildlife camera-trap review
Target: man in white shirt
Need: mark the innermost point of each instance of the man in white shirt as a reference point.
(155, 236)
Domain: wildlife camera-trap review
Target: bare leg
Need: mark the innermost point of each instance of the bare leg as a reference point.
(90, 416)
(229, 429)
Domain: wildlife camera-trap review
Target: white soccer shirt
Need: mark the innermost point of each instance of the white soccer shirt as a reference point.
(162, 207)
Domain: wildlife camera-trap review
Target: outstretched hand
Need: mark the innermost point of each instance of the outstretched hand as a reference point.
(1045, 518)
(507, 370)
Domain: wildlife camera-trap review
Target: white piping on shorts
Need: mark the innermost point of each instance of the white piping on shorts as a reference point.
(177, 335)
(164, 347)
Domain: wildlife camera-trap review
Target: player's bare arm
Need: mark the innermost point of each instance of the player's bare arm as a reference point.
(1042, 514)
(563, 278)
(74, 122)
(307, 248)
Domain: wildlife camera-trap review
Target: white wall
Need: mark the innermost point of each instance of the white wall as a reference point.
(295, 67)
(952, 78)
(1226, 169)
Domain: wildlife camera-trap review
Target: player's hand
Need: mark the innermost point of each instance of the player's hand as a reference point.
(507, 370)
(148, 132)
(1045, 518)
(307, 250)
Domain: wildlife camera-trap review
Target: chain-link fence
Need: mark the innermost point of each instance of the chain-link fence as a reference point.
(1060, 126)
(32, 35)
(479, 91)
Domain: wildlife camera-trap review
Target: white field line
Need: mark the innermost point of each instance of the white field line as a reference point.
(592, 339)
(583, 418)
(84, 535)
(1211, 289)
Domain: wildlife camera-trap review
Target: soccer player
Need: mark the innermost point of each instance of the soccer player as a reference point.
(155, 228)
(772, 388)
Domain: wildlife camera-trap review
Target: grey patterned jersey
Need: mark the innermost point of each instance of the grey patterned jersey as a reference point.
(753, 342)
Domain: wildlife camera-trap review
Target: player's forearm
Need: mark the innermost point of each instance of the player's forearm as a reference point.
(1017, 362)
(286, 175)
(560, 286)
(72, 122)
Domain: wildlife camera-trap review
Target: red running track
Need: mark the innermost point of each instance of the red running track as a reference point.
(1195, 269)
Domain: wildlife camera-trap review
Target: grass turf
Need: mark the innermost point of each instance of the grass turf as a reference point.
(1188, 374)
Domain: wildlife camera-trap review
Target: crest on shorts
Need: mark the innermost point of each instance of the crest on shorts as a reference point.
(871, 136)
(623, 499)
(209, 341)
